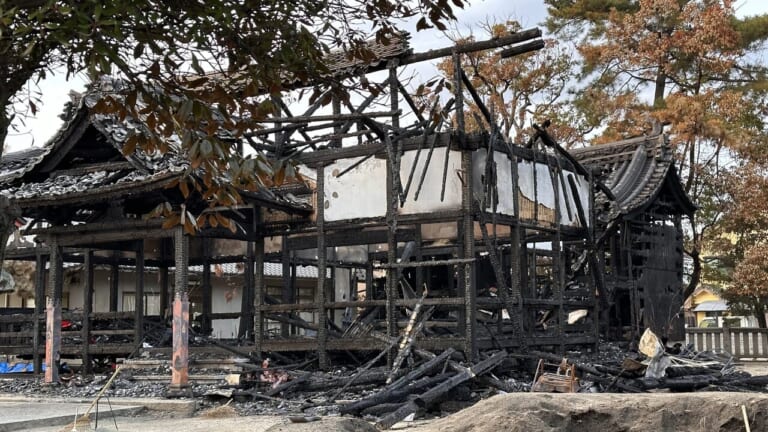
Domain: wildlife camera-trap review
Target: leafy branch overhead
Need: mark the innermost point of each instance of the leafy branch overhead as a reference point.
(194, 69)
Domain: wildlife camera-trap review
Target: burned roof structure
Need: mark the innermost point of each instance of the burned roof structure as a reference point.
(642, 251)
(423, 234)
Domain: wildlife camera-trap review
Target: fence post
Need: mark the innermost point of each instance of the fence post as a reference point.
(727, 340)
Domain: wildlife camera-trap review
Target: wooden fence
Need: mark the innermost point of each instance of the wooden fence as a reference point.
(742, 343)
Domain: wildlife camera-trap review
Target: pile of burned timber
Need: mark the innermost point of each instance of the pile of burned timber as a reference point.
(438, 383)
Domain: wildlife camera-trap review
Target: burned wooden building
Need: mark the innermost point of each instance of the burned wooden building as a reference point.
(640, 226)
(459, 240)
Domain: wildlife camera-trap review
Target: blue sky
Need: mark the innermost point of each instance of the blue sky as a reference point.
(36, 130)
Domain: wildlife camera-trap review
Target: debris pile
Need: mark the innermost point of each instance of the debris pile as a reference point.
(427, 384)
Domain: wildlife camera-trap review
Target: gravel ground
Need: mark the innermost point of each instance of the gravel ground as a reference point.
(266, 413)
(541, 412)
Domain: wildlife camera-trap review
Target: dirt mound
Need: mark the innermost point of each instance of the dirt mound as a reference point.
(326, 424)
(608, 412)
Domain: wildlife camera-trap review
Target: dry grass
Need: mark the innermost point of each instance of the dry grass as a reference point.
(224, 411)
(83, 423)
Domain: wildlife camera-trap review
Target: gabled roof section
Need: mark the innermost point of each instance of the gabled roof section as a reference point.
(14, 166)
(38, 177)
(637, 171)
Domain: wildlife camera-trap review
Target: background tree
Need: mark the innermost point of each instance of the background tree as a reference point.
(182, 60)
(741, 241)
(748, 293)
(692, 58)
(521, 89)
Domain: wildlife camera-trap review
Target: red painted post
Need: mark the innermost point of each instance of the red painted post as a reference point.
(180, 360)
(52, 340)
(53, 314)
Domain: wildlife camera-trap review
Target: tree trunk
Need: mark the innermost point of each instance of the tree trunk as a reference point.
(696, 273)
(759, 310)
(659, 86)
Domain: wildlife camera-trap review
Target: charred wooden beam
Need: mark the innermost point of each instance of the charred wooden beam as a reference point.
(392, 395)
(428, 367)
(139, 294)
(430, 396)
(322, 331)
(180, 359)
(114, 284)
(522, 49)
(288, 385)
(53, 314)
(517, 37)
(412, 329)
(87, 309)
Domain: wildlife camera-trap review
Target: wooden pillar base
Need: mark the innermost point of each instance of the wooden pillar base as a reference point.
(52, 340)
(180, 359)
(179, 391)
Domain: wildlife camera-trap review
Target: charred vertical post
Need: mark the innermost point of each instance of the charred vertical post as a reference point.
(163, 279)
(139, 300)
(53, 313)
(419, 257)
(558, 270)
(458, 282)
(87, 309)
(114, 282)
(392, 196)
(287, 285)
(40, 262)
(206, 288)
(259, 285)
(518, 254)
(369, 278)
(246, 307)
(322, 317)
(467, 220)
(596, 310)
(336, 106)
(180, 356)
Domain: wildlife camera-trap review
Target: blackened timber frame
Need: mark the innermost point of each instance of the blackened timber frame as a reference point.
(87, 309)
